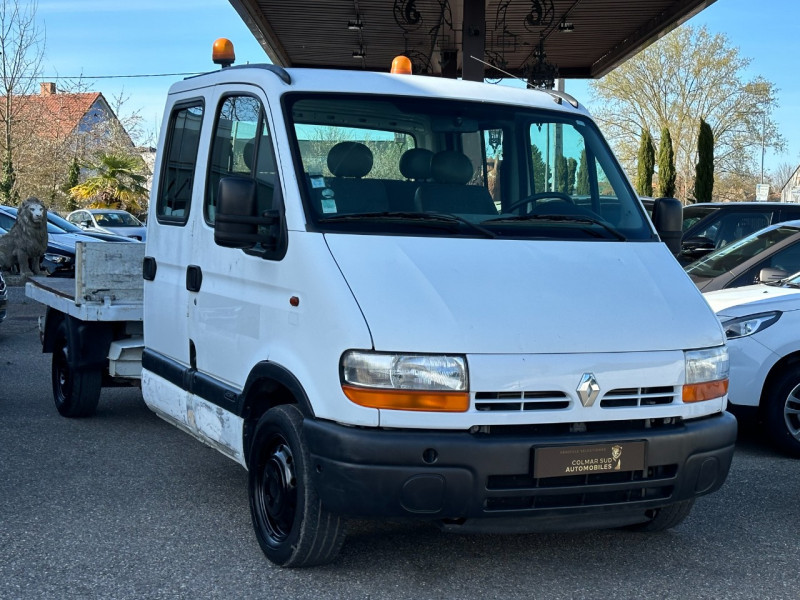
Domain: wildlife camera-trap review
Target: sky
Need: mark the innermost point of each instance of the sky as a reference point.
(93, 38)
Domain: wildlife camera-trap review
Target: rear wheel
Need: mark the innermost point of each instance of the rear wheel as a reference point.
(292, 527)
(76, 391)
(666, 517)
(782, 411)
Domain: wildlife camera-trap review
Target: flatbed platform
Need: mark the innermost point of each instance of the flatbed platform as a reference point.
(108, 284)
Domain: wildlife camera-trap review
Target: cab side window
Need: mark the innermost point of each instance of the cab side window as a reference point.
(241, 147)
(183, 139)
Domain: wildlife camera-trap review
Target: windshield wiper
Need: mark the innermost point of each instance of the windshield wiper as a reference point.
(409, 216)
(562, 218)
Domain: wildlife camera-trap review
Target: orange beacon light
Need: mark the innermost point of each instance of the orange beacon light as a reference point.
(222, 52)
(401, 65)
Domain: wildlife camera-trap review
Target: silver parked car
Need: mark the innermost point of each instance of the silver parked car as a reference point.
(108, 220)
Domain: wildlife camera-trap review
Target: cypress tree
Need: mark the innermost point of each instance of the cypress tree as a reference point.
(646, 166)
(704, 170)
(73, 179)
(582, 186)
(666, 166)
(572, 168)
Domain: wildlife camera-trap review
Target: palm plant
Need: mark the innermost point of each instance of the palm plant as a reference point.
(117, 182)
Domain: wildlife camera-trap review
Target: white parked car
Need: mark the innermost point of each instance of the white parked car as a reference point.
(762, 324)
(103, 220)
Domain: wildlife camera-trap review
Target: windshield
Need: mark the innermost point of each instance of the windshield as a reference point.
(116, 219)
(692, 214)
(6, 221)
(63, 223)
(731, 256)
(448, 167)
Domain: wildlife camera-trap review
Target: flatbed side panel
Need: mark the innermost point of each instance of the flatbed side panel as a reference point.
(108, 272)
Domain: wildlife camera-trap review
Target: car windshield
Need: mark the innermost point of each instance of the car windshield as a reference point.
(9, 214)
(731, 256)
(446, 167)
(61, 222)
(116, 219)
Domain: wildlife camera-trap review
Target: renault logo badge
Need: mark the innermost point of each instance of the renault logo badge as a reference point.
(588, 389)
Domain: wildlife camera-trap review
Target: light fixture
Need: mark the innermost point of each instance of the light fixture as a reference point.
(355, 24)
(360, 53)
(565, 27)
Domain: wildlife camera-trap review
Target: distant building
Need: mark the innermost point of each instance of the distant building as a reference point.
(791, 189)
(85, 117)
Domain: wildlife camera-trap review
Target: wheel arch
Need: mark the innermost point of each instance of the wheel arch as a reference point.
(269, 384)
(790, 361)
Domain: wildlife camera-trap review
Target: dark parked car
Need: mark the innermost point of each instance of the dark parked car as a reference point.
(59, 260)
(3, 298)
(770, 254)
(711, 226)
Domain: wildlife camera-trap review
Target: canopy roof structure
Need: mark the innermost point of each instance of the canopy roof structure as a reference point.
(537, 40)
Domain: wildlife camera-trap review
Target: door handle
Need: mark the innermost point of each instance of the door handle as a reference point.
(194, 278)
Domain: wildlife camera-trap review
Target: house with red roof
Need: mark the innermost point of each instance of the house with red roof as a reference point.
(62, 115)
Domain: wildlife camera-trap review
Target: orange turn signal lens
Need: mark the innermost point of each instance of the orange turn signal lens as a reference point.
(222, 53)
(401, 65)
(708, 390)
(408, 399)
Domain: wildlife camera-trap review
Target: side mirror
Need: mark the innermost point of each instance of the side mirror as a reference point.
(668, 221)
(769, 275)
(237, 223)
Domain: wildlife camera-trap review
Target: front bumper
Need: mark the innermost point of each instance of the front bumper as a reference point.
(457, 477)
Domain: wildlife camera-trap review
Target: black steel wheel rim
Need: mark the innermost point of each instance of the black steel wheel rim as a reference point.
(276, 491)
(61, 373)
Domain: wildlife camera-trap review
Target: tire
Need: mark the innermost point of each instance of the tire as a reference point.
(75, 392)
(666, 518)
(782, 411)
(292, 527)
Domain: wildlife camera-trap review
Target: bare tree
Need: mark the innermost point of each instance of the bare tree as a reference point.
(687, 76)
(781, 174)
(21, 52)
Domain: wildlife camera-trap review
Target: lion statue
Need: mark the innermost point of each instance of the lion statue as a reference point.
(26, 242)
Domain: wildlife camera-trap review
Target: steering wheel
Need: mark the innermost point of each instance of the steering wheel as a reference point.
(540, 196)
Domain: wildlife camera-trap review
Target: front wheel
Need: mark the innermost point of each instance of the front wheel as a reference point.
(782, 411)
(292, 527)
(76, 392)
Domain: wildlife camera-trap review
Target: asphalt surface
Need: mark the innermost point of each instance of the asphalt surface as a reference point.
(123, 505)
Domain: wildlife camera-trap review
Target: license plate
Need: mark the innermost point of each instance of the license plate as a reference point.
(563, 461)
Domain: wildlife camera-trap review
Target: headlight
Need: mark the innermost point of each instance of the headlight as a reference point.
(406, 381)
(706, 374)
(744, 326)
(59, 259)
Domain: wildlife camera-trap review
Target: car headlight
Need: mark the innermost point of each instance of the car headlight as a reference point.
(59, 259)
(744, 326)
(707, 373)
(419, 382)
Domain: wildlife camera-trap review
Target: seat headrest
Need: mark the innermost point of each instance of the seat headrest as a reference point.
(451, 166)
(350, 159)
(416, 164)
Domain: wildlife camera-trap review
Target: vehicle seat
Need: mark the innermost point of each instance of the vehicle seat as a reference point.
(449, 193)
(350, 162)
(415, 166)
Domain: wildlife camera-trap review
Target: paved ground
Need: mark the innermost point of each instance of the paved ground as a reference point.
(125, 506)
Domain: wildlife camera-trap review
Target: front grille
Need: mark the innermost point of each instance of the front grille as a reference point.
(520, 401)
(524, 492)
(646, 396)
